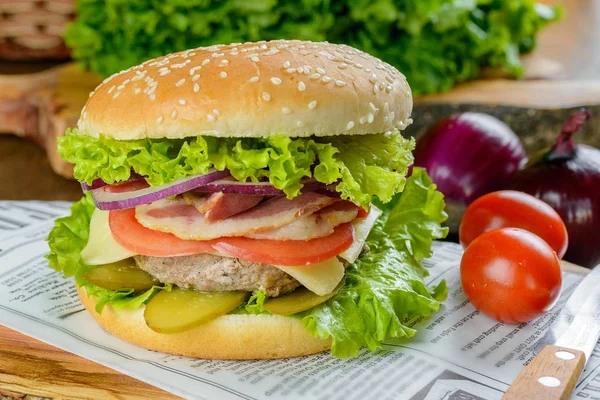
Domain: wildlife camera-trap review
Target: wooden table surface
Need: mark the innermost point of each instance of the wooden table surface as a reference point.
(29, 368)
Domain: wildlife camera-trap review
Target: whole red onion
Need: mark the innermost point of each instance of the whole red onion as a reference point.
(567, 177)
(468, 155)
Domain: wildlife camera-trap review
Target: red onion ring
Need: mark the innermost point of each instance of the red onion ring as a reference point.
(106, 200)
(254, 188)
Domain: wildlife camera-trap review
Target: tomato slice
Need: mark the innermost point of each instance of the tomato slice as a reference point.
(288, 252)
(132, 235)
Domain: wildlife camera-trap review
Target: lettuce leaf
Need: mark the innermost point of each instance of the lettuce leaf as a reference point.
(282, 160)
(66, 240)
(435, 43)
(384, 288)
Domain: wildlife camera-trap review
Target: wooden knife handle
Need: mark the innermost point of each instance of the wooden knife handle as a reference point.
(551, 375)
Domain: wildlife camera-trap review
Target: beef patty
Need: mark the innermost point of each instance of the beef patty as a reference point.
(210, 273)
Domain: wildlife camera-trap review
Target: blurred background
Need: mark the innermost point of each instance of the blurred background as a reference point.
(530, 64)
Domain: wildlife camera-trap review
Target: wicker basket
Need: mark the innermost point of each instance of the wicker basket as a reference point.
(32, 29)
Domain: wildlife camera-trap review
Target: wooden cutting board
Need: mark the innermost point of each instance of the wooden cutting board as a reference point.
(30, 367)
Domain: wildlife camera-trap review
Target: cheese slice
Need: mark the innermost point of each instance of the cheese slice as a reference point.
(320, 278)
(101, 247)
(362, 228)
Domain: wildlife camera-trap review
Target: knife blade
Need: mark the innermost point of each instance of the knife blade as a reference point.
(553, 373)
(567, 314)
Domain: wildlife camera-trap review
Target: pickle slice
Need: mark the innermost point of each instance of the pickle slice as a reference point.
(122, 274)
(180, 310)
(299, 300)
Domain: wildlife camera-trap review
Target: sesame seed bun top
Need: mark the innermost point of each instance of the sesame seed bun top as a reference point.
(251, 90)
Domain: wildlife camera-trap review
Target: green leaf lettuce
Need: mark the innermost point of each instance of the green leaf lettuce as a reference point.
(384, 288)
(284, 161)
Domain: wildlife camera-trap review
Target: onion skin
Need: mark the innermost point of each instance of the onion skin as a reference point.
(468, 155)
(572, 188)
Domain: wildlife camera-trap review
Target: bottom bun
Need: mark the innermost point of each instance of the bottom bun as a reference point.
(231, 337)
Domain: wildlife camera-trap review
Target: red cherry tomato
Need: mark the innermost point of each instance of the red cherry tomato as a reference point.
(509, 208)
(510, 275)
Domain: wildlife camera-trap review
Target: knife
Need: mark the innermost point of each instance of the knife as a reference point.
(553, 373)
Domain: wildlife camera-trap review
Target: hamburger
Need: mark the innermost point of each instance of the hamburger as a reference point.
(250, 201)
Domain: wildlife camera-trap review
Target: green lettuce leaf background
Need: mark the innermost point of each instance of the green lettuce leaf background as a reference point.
(282, 160)
(435, 43)
(384, 288)
(66, 240)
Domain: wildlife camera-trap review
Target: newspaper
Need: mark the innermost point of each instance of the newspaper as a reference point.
(457, 352)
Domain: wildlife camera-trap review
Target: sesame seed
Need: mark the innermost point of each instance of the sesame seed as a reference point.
(343, 66)
(300, 124)
(164, 72)
(326, 79)
(223, 74)
(180, 82)
(370, 118)
(254, 79)
(373, 78)
(91, 93)
(339, 83)
(300, 70)
(224, 61)
(174, 114)
(196, 88)
(291, 70)
(359, 66)
(349, 125)
(111, 89)
(304, 52)
(301, 87)
(362, 120)
(159, 120)
(152, 96)
(373, 108)
(116, 95)
(195, 77)
(286, 64)
(385, 119)
(315, 76)
(276, 81)
(375, 91)
(386, 107)
(321, 71)
(266, 96)
(381, 86)
(255, 59)
(211, 117)
(193, 70)
(312, 105)
(389, 79)
(182, 102)
(286, 110)
(392, 115)
(206, 61)
(120, 87)
(388, 88)
(216, 112)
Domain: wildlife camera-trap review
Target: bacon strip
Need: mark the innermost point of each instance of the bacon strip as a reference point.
(316, 225)
(186, 222)
(221, 205)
